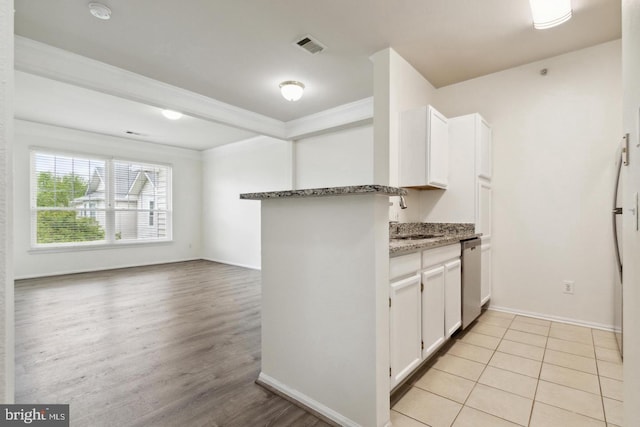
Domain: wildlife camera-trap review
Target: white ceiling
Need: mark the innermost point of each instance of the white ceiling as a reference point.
(237, 51)
(48, 101)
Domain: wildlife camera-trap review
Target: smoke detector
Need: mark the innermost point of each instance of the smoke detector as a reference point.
(100, 11)
(310, 44)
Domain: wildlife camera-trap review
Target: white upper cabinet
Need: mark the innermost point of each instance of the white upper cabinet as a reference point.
(483, 148)
(424, 149)
(483, 220)
(470, 183)
(470, 139)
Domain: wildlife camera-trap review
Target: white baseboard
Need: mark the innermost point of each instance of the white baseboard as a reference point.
(553, 318)
(251, 267)
(93, 270)
(308, 402)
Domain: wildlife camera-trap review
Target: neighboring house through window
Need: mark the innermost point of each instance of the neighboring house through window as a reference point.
(79, 200)
(151, 207)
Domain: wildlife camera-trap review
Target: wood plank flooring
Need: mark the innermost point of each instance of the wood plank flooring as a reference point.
(170, 345)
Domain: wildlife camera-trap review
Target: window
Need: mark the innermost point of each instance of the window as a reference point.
(151, 203)
(92, 210)
(79, 200)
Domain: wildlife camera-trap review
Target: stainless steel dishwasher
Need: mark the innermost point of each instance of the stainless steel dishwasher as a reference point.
(471, 294)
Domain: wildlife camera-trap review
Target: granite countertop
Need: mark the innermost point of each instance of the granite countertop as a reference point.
(410, 237)
(325, 192)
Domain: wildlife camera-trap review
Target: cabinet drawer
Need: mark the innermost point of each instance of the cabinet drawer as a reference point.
(403, 265)
(440, 255)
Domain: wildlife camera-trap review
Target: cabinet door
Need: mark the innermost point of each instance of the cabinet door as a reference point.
(483, 210)
(437, 150)
(432, 310)
(484, 150)
(485, 260)
(412, 150)
(452, 297)
(405, 323)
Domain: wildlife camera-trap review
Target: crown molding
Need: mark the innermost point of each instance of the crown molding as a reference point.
(57, 64)
(53, 134)
(346, 115)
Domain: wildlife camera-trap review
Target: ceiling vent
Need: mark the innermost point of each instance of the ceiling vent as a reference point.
(310, 45)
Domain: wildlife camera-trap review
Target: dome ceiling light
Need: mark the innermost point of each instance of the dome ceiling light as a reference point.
(549, 13)
(172, 115)
(100, 11)
(291, 90)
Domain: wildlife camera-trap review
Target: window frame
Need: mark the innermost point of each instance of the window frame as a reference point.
(110, 210)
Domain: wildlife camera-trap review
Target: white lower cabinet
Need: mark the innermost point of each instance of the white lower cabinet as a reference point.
(404, 318)
(452, 296)
(485, 260)
(424, 306)
(432, 310)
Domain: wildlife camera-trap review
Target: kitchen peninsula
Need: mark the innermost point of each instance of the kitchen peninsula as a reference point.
(325, 315)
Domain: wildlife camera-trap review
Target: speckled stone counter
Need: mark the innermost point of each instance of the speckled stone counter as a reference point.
(325, 192)
(405, 237)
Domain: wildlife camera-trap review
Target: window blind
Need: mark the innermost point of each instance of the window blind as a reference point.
(65, 210)
(78, 200)
(141, 193)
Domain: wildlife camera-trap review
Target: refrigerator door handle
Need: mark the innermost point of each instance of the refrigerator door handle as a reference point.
(622, 158)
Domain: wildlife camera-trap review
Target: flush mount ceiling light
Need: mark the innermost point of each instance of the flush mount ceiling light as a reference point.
(291, 90)
(549, 13)
(100, 11)
(171, 115)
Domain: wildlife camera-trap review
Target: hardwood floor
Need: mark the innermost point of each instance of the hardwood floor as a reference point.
(170, 345)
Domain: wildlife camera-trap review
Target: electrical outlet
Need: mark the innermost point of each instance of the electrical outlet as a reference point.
(567, 286)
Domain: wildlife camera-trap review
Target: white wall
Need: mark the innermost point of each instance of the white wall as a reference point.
(6, 194)
(325, 312)
(554, 143)
(230, 226)
(340, 158)
(397, 87)
(186, 193)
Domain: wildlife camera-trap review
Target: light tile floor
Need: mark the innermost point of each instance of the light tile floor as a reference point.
(512, 370)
